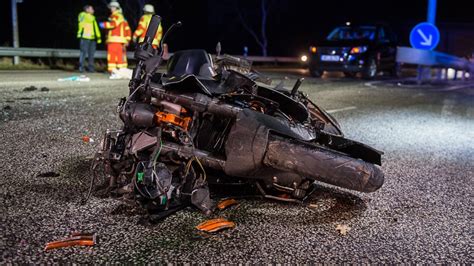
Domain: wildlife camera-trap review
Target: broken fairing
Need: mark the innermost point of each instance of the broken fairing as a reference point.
(213, 120)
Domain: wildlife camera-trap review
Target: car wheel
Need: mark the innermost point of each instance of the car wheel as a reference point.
(371, 69)
(315, 73)
(349, 74)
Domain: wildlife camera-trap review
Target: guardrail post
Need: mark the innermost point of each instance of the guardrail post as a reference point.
(16, 38)
(439, 73)
(419, 75)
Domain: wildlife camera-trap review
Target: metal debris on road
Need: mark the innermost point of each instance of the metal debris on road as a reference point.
(215, 225)
(48, 174)
(30, 88)
(76, 239)
(223, 204)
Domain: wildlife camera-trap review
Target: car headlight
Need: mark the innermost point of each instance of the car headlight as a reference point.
(358, 49)
(304, 58)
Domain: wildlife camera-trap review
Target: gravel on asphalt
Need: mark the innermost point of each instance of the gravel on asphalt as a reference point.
(422, 214)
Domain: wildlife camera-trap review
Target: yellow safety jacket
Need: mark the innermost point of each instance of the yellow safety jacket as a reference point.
(119, 30)
(140, 32)
(88, 28)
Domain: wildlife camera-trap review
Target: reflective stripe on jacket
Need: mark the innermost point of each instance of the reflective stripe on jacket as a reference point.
(127, 31)
(87, 27)
(140, 32)
(119, 30)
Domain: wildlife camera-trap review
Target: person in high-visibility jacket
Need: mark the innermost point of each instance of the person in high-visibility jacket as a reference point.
(118, 37)
(89, 35)
(140, 32)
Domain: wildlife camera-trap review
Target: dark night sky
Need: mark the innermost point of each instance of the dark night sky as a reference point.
(292, 24)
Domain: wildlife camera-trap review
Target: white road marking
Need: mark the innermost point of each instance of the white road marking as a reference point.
(457, 87)
(398, 83)
(341, 109)
(370, 84)
(373, 84)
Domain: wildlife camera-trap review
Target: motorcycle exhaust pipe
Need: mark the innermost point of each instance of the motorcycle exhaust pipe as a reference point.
(321, 164)
(252, 145)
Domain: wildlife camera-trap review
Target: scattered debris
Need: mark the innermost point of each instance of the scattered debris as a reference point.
(7, 107)
(76, 239)
(48, 174)
(343, 229)
(44, 89)
(223, 204)
(121, 73)
(30, 88)
(323, 205)
(87, 139)
(215, 225)
(80, 78)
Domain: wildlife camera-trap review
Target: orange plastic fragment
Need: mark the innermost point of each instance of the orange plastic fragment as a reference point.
(86, 139)
(215, 225)
(75, 240)
(226, 203)
(183, 122)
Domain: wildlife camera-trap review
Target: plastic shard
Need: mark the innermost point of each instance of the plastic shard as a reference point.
(215, 225)
(76, 239)
(223, 204)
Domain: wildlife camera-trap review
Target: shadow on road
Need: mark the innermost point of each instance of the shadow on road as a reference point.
(68, 184)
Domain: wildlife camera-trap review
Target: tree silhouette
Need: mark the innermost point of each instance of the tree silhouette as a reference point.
(260, 38)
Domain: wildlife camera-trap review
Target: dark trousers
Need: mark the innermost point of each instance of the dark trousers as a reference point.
(87, 50)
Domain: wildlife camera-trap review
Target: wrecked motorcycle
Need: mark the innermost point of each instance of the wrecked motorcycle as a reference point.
(216, 120)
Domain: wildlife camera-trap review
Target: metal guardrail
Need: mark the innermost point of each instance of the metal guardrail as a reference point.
(433, 59)
(272, 59)
(48, 52)
(72, 53)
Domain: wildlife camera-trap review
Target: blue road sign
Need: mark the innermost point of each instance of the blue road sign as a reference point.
(424, 36)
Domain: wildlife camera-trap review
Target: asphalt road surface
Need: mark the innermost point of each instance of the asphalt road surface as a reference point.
(423, 213)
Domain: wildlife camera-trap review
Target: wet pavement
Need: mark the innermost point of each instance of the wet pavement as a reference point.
(423, 213)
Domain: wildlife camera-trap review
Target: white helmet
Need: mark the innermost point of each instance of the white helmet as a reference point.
(114, 4)
(149, 9)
